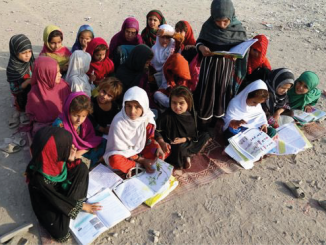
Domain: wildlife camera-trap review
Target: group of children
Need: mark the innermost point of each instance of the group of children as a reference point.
(112, 91)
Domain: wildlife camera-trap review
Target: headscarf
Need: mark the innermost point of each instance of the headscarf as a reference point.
(46, 98)
(162, 54)
(77, 45)
(149, 34)
(261, 45)
(127, 137)
(238, 108)
(299, 101)
(232, 35)
(76, 74)
(189, 37)
(62, 55)
(120, 39)
(276, 79)
(101, 68)
(17, 69)
(131, 72)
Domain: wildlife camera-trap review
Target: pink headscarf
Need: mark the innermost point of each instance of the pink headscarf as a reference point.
(46, 98)
(87, 138)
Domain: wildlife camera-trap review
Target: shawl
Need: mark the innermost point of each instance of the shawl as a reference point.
(17, 69)
(149, 34)
(261, 45)
(77, 45)
(276, 79)
(127, 137)
(87, 138)
(299, 101)
(131, 72)
(120, 39)
(101, 68)
(62, 55)
(46, 98)
(189, 37)
(238, 108)
(76, 74)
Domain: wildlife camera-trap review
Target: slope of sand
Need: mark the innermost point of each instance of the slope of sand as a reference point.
(235, 209)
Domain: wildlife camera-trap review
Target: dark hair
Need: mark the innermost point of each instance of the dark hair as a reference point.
(100, 48)
(55, 33)
(181, 26)
(182, 91)
(259, 93)
(113, 84)
(81, 103)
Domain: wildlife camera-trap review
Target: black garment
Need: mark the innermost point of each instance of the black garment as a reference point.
(21, 98)
(261, 73)
(189, 54)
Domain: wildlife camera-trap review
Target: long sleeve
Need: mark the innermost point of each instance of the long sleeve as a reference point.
(122, 163)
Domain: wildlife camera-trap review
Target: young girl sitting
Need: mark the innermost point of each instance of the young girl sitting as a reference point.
(305, 94)
(19, 71)
(52, 38)
(245, 111)
(85, 34)
(105, 106)
(177, 129)
(74, 120)
(188, 47)
(76, 74)
(101, 65)
(131, 135)
(154, 19)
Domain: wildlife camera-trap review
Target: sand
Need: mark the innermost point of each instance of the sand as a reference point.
(248, 207)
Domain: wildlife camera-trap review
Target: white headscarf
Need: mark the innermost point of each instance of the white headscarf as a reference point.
(127, 137)
(162, 54)
(76, 74)
(238, 108)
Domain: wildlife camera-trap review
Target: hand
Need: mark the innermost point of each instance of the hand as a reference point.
(264, 128)
(92, 78)
(235, 124)
(147, 164)
(91, 208)
(179, 141)
(64, 68)
(159, 153)
(80, 153)
(104, 130)
(84, 44)
(166, 147)
(230, 57)
(26, 83)
(308, 108)
(72, 155)
(276, 117)
(187, 47)
(205, 50)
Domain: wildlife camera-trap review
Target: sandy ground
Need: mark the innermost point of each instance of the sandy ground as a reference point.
(235, 209)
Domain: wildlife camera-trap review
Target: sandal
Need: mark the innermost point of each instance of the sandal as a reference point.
(24, 118)
(16, 140)
(10, 148)
(296, 190)
(322, 204)
(14, 120)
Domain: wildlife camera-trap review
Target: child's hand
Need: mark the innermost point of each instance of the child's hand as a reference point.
(80, 153)
(91, 208)
(264, 128)
(230, 57)
(235, 124)
(308, 108)
(187, 47)
(179, 141)
(72, 155)
(104, 130)
(26, 83)
(92, 78)
(159, 153)
(84, 44)
(166, 147)
(205, 50)
(147, 163)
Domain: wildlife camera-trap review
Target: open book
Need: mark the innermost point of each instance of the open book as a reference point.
(305, 117)
(238, 51)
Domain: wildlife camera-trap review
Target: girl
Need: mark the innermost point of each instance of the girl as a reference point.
(131, 135)
(76, 74)
(84, 36)
(74, 119)
(48, 93)
(57, 182)
(245, 111)
(19, 71)
(177, 129)
(188, 46)
(154, 19)
(101, 65)
(215, 86)
(105, 106)
(305, 93)
(52, 38)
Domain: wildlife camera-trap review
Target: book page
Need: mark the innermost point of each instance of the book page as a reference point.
(238, 51)
(303, 116)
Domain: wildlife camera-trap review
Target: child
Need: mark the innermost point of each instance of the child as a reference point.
(101, 65)
(74, 119)
(305, 93)
(177, 129)
(76, 74)
(245, 111)
(19, 71)
(154, 19)
(188, 47)
(105, 106)
(131, 135)
(84, 36)
(215, 86)
(52, 38)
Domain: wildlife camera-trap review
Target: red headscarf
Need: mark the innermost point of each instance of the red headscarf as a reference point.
(176, 66)
(189, 38)
(101, 68)
(46, 98)
(261, 45)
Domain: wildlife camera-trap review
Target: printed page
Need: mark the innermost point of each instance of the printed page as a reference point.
(238, 51)
(238, 157)
(318, 114)
(303, 116)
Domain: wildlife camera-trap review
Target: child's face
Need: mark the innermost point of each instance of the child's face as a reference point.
(58, 77)
(84, 38)
(283, 89)
(77, 118)
(99, 55)
(153, 22)
(301, 87)
(164, 41)
(55, 43)
(254, 53)
(25, 56)
(255, 101)
(223, 23)
(179, 105)
(133, 109)
(148, 62)
(130, 34)
(183, 33)
(105, 96)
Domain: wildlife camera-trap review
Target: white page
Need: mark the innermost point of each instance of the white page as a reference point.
(303, 116)
(232, 152)
(292, 138)
(243, 47)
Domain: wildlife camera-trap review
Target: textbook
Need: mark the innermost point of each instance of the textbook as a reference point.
(238, 51)
(306, 117)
